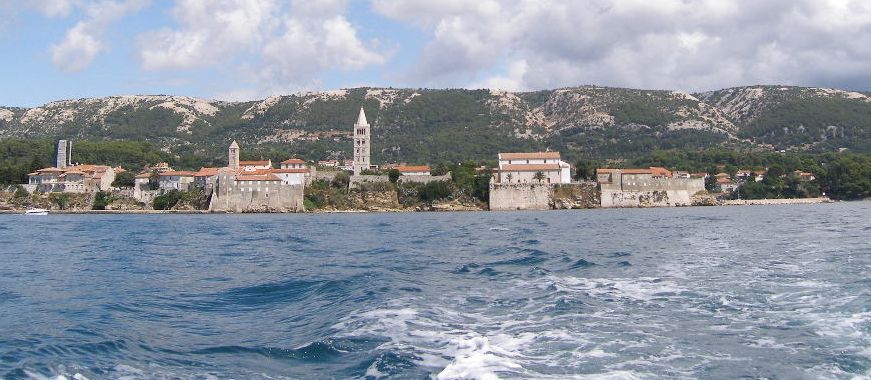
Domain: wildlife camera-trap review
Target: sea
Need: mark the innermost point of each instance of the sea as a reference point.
(774, 292)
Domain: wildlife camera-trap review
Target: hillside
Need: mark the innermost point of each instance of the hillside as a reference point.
(421, 125)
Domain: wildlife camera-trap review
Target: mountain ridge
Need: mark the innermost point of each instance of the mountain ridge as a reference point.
(429, 124)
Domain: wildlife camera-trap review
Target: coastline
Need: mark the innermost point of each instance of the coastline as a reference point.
(749, 202)
(764, 202)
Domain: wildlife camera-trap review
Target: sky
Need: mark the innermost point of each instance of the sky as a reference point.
(251, 49)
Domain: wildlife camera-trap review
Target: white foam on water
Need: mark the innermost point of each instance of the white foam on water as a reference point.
(476, 358)
(641, 288)
(853, 325)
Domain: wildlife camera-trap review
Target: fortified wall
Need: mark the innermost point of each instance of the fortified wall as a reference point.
(643, 190)
(424, 179)
(536, 196)
(230, 195)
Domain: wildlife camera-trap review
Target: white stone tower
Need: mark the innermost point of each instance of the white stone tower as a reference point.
(233, 156)
(361, 143)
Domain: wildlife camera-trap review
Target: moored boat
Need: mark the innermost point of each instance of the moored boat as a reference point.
(36, 211)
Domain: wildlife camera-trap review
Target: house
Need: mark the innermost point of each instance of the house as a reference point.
(760, 175)
(176, 180)
(743, 174)
(159, 167)
(726, 185)
(413, 170)
(681, 174)
(538, 167)
(291, 176)
(805, 176)
(293, 163)
(205, 178)
(328, 163)
(250, 166)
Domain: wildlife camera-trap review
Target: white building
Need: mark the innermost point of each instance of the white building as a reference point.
(250, 166)
(413, 170)
(293, 163)
(526, 167)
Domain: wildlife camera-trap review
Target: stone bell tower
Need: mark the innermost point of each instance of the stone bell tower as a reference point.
(361, 143)
(233, 156)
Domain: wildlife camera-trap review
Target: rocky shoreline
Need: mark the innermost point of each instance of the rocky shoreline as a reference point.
(434, 208)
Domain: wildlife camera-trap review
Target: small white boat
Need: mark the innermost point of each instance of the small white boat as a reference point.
(36, 211)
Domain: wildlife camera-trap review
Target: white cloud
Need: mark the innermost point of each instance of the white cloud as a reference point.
(55, 8)
(84, 41)
(281, 46)
(672, 44)
(211, 31)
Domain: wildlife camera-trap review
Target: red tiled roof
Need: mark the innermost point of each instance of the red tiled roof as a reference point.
(410, 169)
(293, 161)
(264, 178)
(723, 181)
(281, 171)
(143, 175)
(177, 174)
(254, 163)
(529, 168)
(636, 171)
(660, 172)
(207, 172)
(529, 156)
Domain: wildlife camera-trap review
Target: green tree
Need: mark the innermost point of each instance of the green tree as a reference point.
(154, 180)
(393, 175)
(585, 170)
(124, 179)
(341, 180)
(20, 192)
(434, 191)
(101, 200)
(61, 200)
(539, 176)
(167, 200)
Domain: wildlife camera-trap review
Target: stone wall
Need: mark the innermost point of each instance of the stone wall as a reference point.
(650, 192)
(424, 179)
(265, 197)
(322, 175)
(357, 180)
(575, 196)
(520, 196)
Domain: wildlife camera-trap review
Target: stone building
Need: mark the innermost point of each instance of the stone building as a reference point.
(651, 187)
(362, 137)
(176, 180)
(65, 177)
(254, 186)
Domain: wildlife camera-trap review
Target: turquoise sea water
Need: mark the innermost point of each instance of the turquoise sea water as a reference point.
(727, 292)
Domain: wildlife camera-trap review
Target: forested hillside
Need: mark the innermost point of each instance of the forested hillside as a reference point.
(431, 126)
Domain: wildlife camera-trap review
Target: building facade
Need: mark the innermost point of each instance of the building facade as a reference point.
(538, 167)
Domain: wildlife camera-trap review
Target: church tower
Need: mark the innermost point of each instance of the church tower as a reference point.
(361, 143)
(233, 156)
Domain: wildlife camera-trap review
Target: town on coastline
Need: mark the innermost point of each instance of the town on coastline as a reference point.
(519, 181)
